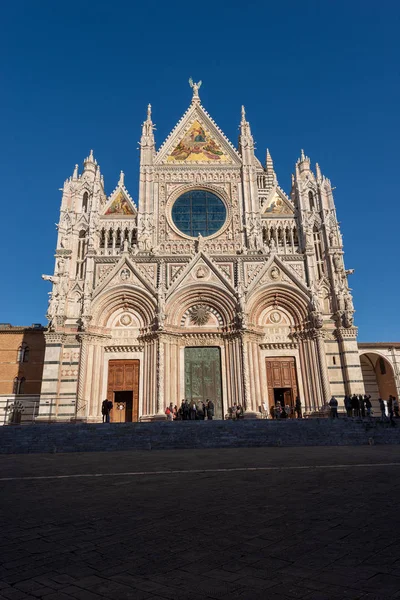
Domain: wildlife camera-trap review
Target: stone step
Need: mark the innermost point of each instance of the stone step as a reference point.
(97, 437)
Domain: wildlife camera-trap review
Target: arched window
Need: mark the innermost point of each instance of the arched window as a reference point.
(80, 259)
(23, 353)
(318, 252)
(85, 201)
(18, 385)
(311, 200)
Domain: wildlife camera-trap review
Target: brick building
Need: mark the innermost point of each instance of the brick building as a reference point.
(21, 367)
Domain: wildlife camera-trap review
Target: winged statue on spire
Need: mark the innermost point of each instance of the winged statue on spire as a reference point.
(195, 87)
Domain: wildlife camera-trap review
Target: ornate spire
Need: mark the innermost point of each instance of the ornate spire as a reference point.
(302, 156)
(243, 115)
(318, 172)
(75, 173)
(271, 178)
(121, 181)
(89, 164)
(195, 87)
(149, 112)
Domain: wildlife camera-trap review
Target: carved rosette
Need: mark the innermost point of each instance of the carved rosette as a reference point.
(199, 314)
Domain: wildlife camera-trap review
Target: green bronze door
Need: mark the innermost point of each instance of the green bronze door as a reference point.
(203, 377)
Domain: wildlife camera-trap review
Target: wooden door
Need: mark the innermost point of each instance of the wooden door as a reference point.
(123, 376)
(281, 373)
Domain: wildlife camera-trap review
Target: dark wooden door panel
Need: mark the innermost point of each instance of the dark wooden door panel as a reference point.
(123, 376)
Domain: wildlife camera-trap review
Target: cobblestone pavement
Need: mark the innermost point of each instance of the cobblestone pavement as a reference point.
(330, 532)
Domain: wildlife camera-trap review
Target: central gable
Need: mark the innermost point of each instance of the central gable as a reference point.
(197, 139)
(197, 145)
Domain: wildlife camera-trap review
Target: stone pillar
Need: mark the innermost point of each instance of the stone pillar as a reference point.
(249, 412)
(326, 388)
(81, 403)
(352, 374)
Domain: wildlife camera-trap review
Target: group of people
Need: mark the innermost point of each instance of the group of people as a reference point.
(284, 411)
(358, 406)
(236, 412)
(190, 411)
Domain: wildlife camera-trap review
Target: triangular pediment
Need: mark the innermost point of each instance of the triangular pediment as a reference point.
(125, 272)
(197, 139)
(201, 270)
(120, 204)
(277, 204)
(275, 271)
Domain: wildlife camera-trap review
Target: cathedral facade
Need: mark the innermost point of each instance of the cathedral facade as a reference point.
(214, 284)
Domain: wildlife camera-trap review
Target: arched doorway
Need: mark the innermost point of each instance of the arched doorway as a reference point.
(378, 376)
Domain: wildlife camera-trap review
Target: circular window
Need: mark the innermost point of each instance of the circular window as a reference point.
(198, 212)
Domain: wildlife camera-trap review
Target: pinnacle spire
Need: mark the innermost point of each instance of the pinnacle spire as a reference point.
(75, 174)
(302, 156)
(148, 114)
(121, 181)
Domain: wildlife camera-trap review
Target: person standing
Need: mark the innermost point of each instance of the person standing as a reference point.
(354, 405)
(333, 403)
(347, 405)
(185, 410)
(106, 409)
(368, 405)
(234, 412)
(297, 407)
(210, 410)
(396, 407)
(193, 411)
(382, 407)
(361, 406)
(390, 409)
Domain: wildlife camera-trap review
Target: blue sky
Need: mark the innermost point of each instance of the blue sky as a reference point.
(319, 75)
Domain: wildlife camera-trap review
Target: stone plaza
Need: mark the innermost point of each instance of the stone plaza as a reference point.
(249, 524)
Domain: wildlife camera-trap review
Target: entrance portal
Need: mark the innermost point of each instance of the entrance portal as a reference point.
(282, 381)
(283, 396)
(122, 409)
(203, 377)
(123, 390)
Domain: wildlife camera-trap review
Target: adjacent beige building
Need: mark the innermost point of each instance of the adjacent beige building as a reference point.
(212, 283)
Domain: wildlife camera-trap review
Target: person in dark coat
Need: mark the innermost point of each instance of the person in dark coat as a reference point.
(106, 409)
(368, 405)
(210, 409)
(390, 409)
(347, 405)
(354, 406)
(193, 411)
(297, 407)
(185, 410)
(333, 403)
